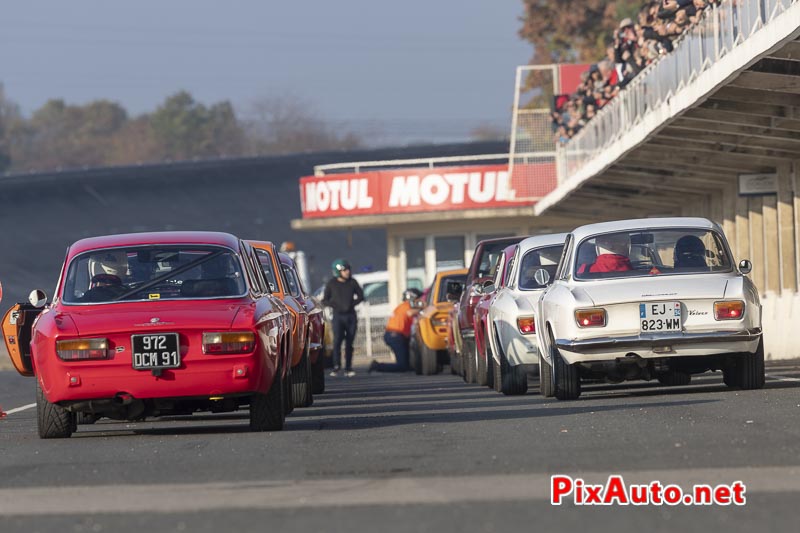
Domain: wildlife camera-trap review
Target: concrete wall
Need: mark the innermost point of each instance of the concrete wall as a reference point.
(765, 230)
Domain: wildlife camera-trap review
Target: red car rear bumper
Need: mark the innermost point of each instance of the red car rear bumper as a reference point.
(198, 377)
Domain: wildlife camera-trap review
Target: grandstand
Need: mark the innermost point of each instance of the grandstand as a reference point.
(712, 129)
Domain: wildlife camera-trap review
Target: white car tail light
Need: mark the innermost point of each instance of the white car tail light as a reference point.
(729, 310)
(526, 325)
(591, 318)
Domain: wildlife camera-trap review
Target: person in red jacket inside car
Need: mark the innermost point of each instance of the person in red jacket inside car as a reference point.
(613, 250)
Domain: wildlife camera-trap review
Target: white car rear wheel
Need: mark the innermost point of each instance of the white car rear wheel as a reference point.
(566, 381)
(545, 378)
(748, 370)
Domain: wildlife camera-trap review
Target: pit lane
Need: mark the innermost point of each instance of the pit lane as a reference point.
(412, 453)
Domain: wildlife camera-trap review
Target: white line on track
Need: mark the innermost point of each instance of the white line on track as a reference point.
(18, 409)
(782, 378)
(353, 492)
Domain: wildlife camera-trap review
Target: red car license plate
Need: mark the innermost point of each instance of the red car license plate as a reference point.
(156, 350)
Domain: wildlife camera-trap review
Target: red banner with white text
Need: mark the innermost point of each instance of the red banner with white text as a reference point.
(412, 190)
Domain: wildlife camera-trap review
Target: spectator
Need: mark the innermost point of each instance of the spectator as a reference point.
(634, 46)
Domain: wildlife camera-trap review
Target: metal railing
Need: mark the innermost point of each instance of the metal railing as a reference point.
(430, 162)
(721, 30)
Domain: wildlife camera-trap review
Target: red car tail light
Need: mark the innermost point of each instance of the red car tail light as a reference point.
(591, 318)
(82, 349)
(729, 310)
(526, 325)
(229, 342)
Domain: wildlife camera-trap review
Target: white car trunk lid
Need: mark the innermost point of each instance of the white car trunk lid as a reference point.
(665, 288)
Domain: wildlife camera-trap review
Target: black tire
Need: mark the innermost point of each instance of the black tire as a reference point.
(84, 419)
(497, 376)
(453, 358)
(481, 370)
(673, 378)
(566, 381)
(288, 399)
(545, 378)
(428, 361)
(729, 375)
(416, 358)
(513, 379)
(318, 375)
(53, 421)
(468, 359)
(267, 411)
(749, 371)
(301, 380)
(489, 366)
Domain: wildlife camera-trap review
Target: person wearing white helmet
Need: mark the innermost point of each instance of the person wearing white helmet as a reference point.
(112, 262)
(107, 270)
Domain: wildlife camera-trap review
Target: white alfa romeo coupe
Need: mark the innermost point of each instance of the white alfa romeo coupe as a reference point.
(649, 299)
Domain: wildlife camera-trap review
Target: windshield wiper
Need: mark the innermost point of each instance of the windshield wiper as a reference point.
(180, 270)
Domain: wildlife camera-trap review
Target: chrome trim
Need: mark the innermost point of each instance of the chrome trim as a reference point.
(654, 341)
(271, 316)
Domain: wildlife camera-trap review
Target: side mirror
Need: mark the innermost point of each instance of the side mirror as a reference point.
(745, 266)
(541, 276)
(37, 298)
(488, 287)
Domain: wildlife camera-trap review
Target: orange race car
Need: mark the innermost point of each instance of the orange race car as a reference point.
(307, 371)
(431, 329)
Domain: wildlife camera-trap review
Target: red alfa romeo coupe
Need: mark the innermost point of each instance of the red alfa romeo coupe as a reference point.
(154, 324)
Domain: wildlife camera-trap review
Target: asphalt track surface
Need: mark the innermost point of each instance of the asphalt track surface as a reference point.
(412, 453)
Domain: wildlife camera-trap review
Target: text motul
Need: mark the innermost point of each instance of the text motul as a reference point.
(454, 188)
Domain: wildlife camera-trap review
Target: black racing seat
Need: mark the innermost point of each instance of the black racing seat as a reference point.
(587, 255)
(208, 288)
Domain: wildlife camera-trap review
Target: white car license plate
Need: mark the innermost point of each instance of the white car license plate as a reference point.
(660, 316)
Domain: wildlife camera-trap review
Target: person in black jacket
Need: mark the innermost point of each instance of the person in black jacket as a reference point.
(343, 294)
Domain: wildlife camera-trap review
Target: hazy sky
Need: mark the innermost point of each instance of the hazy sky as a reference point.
(408, 69)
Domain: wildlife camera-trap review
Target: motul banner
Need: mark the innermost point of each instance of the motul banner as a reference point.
(410, 190)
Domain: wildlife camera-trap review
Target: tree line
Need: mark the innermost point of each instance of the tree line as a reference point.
(59, 135)
(572, 31)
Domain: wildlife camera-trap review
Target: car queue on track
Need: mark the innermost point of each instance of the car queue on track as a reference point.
(653, 299)
(154, 324)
